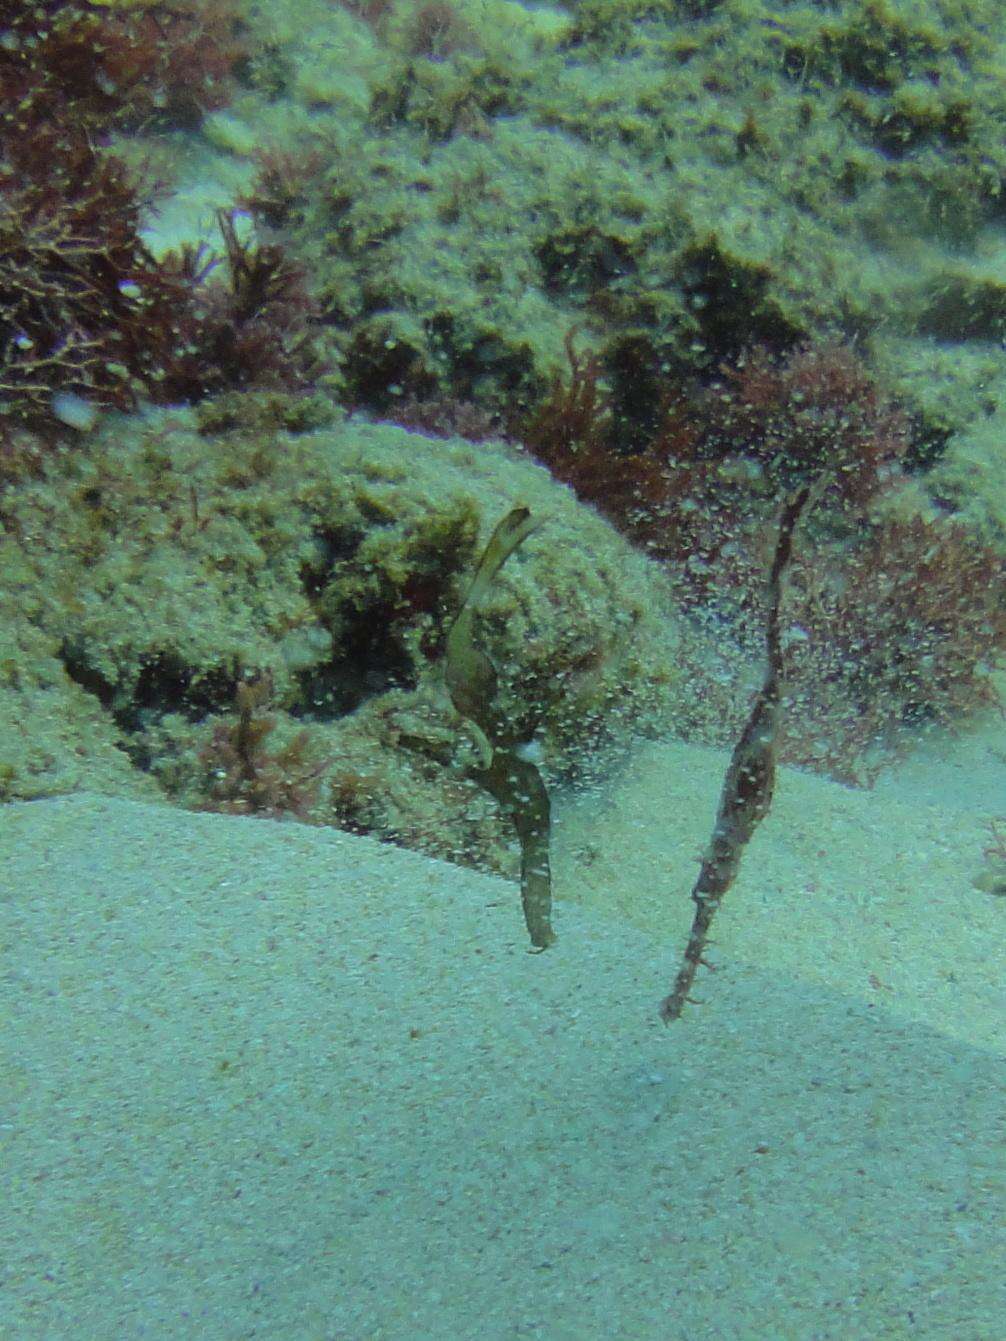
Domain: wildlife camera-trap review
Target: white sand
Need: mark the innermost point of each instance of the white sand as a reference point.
(267, 1081)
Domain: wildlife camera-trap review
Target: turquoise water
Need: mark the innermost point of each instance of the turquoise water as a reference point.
(701, 304)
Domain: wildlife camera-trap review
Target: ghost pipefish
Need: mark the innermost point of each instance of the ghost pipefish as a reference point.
(750, 777)
(510, 778)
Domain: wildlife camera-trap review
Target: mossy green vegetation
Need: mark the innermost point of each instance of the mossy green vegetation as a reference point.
(690, 177)
(680, 180)
(187, 554)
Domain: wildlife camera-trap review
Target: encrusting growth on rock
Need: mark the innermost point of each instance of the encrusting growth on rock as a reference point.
(750, 778)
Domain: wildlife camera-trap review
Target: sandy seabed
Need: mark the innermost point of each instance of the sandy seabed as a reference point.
(267, 1081)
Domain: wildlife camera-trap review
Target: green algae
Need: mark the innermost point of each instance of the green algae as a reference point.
(181, 553)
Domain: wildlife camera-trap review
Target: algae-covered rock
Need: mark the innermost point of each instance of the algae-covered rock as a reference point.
(970, 479)
(186, 556)
(684, 179)
(466, 184)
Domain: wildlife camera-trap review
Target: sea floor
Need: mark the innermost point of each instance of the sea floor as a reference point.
(261, 1080)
